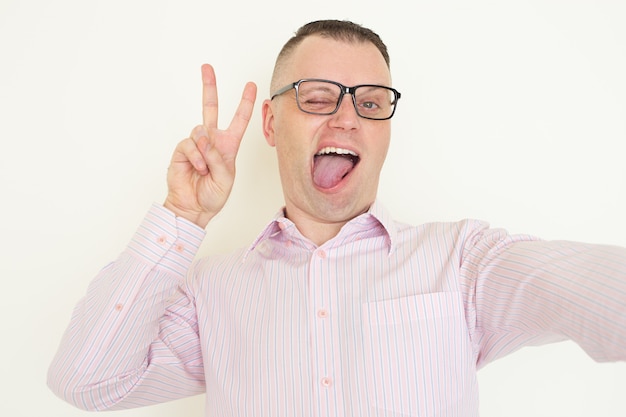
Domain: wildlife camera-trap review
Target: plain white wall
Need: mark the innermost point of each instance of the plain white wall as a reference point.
(512, 112)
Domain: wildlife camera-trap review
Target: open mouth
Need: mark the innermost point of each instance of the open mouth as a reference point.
(331, 165)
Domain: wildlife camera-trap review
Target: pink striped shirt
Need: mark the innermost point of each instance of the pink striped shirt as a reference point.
(385, 319)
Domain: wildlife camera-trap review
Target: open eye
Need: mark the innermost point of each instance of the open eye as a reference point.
(369, 105)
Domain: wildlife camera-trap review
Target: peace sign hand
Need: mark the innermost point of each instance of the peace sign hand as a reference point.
(202, 168)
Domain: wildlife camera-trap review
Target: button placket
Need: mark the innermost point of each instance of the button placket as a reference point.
(322, 287)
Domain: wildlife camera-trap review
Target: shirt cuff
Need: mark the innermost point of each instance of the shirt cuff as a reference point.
(166, 241)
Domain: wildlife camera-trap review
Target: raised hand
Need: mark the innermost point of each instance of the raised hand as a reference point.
(202, 168)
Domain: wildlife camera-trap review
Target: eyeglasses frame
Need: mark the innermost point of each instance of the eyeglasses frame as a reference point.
(344, 90)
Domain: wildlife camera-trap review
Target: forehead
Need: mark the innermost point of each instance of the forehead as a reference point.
(349, 63)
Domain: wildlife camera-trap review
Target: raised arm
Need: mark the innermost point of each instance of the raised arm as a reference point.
(133, 339)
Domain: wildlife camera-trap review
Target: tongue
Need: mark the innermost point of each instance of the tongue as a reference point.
(328, 170)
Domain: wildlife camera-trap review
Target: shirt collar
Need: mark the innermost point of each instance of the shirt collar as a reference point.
(377, 213)
(380, 213)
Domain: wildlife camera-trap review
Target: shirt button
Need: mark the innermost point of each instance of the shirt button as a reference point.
(161, 240)
(119, 307)
(321, 254)
(322, 313)
(327, 382)
(180, 248)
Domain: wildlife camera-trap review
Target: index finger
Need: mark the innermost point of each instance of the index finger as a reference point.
(209, 97)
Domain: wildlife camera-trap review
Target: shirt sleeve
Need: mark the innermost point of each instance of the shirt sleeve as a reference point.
(524, 291)
(133, 338)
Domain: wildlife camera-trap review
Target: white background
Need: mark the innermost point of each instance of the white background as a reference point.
(512, 112)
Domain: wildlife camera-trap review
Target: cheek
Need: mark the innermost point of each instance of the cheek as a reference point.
(380, 146)
(291, 157)
(293, 141)
(383, 152)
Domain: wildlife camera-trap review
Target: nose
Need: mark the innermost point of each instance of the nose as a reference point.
(346, 116)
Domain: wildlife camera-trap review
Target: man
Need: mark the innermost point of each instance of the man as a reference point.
(335, 309)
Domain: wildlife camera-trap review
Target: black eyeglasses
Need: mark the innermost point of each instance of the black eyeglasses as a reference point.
(323, 97)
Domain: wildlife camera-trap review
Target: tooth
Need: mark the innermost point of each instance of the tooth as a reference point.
(331, 149)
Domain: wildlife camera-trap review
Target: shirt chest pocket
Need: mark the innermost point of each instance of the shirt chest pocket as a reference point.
(419, 356)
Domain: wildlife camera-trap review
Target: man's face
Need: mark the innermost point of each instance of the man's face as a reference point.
(332, 188)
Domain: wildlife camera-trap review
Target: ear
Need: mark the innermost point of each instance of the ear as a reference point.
(268, 122)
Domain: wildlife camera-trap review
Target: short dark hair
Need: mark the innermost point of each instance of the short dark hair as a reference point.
(342, 30)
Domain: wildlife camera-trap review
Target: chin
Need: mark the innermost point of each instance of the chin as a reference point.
(344, 208)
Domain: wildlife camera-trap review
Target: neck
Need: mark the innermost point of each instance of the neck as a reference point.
(319, 230)
(318, 233)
